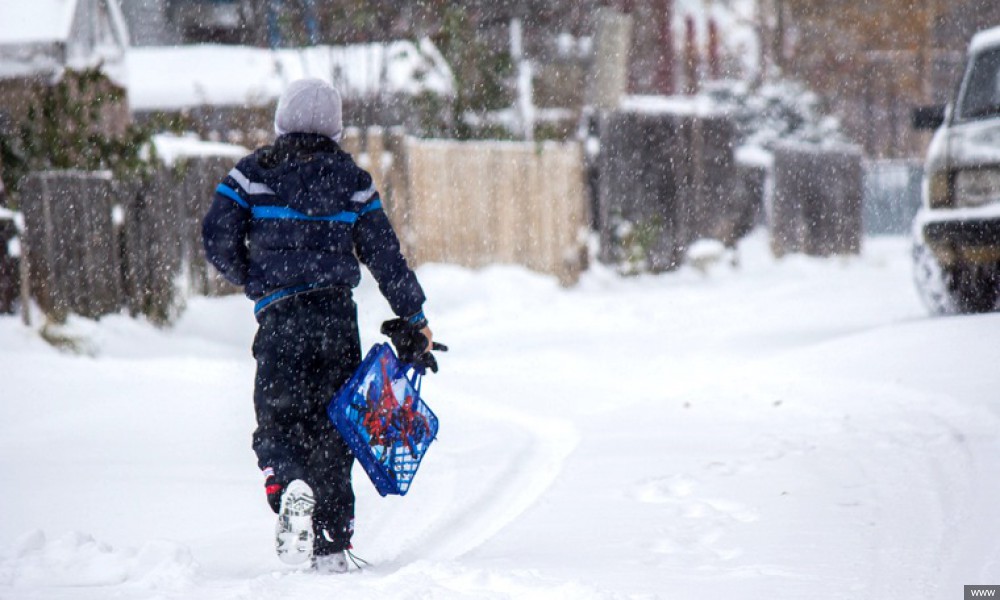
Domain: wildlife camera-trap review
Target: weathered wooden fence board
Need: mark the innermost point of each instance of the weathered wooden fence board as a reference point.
(752, 190)
(664, 181)
(151, 248)
(718, 205)
(198, 180)
(83, 263)
(479, 203)
(816, 207)
(10, 279)
(75, 265)
(163, 252)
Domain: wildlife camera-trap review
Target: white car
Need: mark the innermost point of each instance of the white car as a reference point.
(957, 230)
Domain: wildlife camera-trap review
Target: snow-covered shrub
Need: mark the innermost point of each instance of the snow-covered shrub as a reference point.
(775, 111)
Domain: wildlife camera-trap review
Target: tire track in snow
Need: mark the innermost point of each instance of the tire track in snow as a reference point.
(526, 475)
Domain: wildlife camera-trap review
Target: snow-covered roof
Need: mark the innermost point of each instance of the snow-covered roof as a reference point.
(986, 38)
(30, 21)
(46, 36)
(174, 77)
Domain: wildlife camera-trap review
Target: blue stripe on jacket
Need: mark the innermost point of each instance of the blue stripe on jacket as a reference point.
(285, 212)
(376, 205)
(232, 194)
(281, 294)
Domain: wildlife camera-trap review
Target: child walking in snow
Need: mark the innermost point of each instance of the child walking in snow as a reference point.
(289, 223)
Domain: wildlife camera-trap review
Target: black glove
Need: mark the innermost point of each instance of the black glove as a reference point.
(411, 344)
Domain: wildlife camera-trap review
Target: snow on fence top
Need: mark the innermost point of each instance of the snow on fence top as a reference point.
(176, 77)
(170, 148)
(688, 106)
(984, 39)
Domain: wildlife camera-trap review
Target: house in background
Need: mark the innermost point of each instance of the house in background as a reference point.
(228, 92)
(41, 39)
(149, 23)
(160, 68)
(173, 22)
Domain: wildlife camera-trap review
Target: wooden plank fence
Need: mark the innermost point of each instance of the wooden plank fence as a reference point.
(150, 246)
(481, 202)
(466, 203)
(161, 237)
(83, 262)
(9, 266)
(198, 177)
(816, 208)
(664, 181)
(71, 243)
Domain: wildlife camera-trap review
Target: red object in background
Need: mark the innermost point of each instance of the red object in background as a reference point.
(690, 56)
(713, 49)
(666, 55)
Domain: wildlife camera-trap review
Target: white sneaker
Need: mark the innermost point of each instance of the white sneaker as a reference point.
(294, 533)
(331, 563)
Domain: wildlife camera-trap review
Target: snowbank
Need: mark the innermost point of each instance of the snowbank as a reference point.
(78, 560)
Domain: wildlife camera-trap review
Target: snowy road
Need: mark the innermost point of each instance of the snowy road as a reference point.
(787, 429)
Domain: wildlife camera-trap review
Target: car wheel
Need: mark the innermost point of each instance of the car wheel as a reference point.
(975, 288)
(954, 290)
(933, 282)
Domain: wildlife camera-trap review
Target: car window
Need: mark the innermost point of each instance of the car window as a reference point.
(982, 87)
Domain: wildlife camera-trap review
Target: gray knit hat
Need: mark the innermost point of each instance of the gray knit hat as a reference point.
(309, 106)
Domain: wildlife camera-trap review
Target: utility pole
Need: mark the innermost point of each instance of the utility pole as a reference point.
(925, 52)
(778, 37)
(714, 69)
(609, 73)
(525, 89)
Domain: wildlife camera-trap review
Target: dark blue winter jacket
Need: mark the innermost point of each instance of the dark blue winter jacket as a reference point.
(296, 216)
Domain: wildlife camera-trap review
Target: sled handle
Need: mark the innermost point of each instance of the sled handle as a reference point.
(413, 374)
(417, 378)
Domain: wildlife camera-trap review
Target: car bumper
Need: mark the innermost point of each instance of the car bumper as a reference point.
(976, 233)
(962, 236)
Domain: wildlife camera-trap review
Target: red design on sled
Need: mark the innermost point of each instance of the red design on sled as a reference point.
(388, 422)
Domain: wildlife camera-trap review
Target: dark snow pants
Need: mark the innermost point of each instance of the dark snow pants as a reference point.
(306, 347)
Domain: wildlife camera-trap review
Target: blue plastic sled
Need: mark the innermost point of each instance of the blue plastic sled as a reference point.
(382, 418)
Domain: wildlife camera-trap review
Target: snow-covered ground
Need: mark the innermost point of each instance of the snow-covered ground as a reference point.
(785, 429)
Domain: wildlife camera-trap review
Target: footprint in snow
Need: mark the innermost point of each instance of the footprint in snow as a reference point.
(691, 525)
